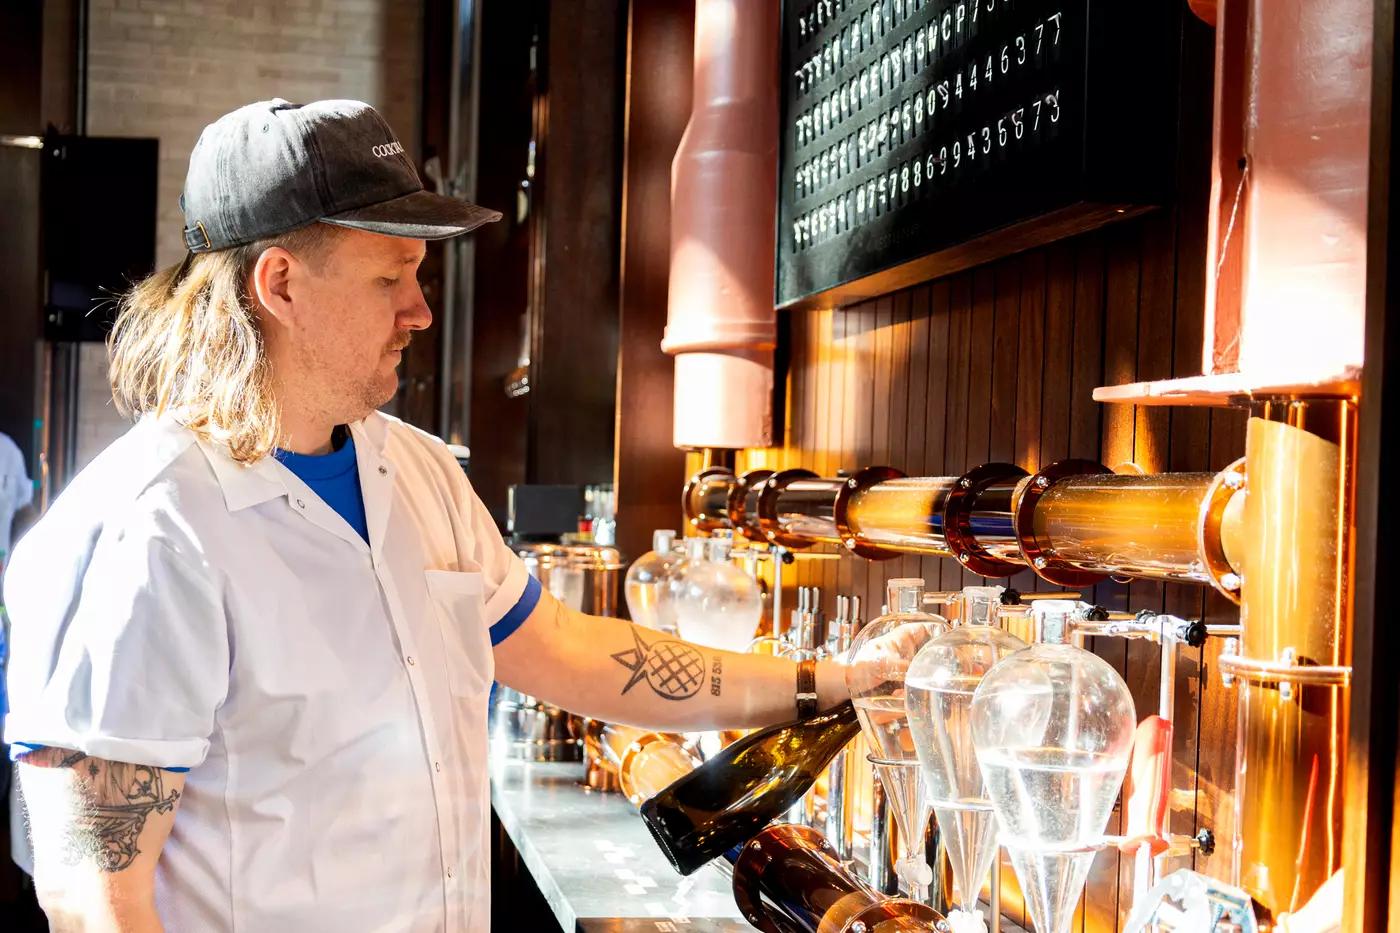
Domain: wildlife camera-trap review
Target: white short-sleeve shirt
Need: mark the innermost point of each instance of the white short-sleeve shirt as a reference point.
(178, 609)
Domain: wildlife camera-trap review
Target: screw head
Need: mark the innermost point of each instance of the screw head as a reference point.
(1042, 481)
(965, 483)
(963, 558)
(1041, 563)
(1233, 480)
(1231, 582)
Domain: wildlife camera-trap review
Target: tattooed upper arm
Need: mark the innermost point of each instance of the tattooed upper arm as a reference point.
(92, 819)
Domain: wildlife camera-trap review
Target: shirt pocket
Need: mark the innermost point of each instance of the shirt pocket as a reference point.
(457, 597)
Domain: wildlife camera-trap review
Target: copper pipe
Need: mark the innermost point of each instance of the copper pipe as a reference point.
(1068, 525)
(1140, 526)
(1294, 648)
(904, 514)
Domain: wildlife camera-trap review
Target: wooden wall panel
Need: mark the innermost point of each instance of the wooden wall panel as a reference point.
(659, 50)
(997, 364)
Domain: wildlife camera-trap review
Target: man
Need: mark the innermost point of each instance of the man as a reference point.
(253, 641)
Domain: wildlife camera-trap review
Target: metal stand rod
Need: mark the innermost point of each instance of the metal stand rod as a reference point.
(779, 553)
(996, 893)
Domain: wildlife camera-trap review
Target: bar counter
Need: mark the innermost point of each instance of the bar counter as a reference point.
(594, 861)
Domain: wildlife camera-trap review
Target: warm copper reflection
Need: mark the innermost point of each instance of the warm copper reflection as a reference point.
(904, 514)
(1130, 525)
(1142, 526)
(652, 763)
(1296, 596)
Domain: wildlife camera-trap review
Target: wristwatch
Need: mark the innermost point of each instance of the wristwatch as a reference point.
(806, 689)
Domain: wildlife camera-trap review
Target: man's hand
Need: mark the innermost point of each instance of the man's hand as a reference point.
(97, 827)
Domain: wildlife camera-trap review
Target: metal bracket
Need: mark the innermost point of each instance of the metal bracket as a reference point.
(1285, 673)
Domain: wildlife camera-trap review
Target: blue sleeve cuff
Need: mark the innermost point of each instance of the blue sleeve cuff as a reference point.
(518, 613)
(19, 749)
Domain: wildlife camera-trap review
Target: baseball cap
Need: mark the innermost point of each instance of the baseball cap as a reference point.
(273, 166)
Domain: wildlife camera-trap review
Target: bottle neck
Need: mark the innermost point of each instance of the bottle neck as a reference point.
(906, 596)
(662, 541)
(1054, 620)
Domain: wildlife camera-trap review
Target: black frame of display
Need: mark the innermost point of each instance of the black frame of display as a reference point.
(1112, 159)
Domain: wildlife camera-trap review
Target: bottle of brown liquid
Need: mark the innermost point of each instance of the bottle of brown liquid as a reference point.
(745, 787)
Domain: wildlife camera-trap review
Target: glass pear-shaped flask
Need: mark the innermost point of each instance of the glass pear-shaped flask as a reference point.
(716, 603)
(876, 667)
(647, 581)
(1053, 729)
(939, 690)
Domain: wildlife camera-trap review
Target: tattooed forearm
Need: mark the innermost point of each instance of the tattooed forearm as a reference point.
(673, 669)
(112, 801)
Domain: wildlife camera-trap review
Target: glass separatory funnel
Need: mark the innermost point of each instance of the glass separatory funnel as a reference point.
(876, 667)
(716, 603)
(647, 581)
(939, 690)
(1053, 729)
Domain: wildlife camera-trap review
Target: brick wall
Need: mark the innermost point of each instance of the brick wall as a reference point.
(166, 68)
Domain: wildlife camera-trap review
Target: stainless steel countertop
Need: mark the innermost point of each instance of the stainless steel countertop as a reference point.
(596, 863)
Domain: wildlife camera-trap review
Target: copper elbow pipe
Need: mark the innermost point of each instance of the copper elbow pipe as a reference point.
(1073, 522)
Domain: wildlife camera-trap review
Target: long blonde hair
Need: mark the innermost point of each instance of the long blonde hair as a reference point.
(187, 341)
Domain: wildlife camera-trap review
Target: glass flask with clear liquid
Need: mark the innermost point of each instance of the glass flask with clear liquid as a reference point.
(717, 604)
(1053, 729)
(939, 690)
(647, 581)
(876, 667)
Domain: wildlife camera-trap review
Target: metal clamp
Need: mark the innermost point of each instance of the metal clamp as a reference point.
(1221, 490)
(957, 519)
(841, 510)
(692, 485)
(737, 506)
(1040, 561)
(768, 492)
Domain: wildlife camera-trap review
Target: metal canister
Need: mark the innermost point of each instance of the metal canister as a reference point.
(583, 577)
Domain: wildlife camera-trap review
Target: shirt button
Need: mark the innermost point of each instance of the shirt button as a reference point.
(410, 660)
(301, 504)
(449, 874)
(383, 471)
(437, 766)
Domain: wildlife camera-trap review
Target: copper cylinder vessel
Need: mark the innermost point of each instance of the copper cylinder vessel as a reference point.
(1291, 668)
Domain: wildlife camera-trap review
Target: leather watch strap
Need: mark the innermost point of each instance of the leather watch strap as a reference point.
(806, 689)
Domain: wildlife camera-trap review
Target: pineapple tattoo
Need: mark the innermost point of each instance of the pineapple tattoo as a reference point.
(673, 669)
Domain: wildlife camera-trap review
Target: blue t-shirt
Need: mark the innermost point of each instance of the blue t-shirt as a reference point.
(335, 479)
